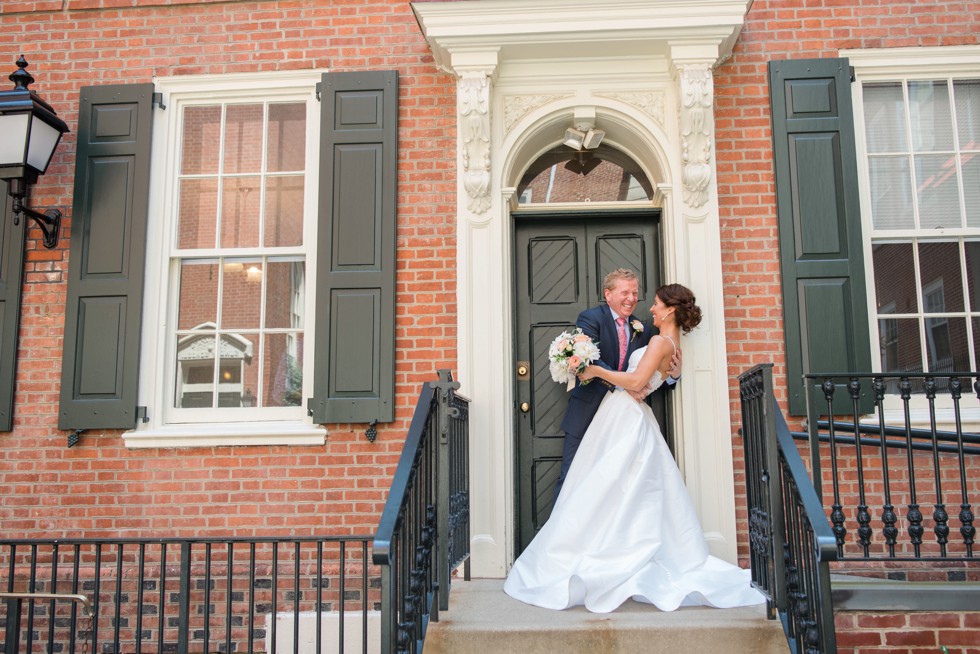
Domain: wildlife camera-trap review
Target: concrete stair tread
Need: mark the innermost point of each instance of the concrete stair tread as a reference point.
(482, 618)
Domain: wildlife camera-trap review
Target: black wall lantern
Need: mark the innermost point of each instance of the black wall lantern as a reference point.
(31, 131)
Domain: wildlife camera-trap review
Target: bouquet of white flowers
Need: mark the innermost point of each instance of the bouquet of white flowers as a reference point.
(569, 355)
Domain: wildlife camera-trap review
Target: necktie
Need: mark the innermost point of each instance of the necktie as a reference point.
(621, 328)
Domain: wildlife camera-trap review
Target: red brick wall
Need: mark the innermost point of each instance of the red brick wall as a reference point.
(908, 633)
(99, 488)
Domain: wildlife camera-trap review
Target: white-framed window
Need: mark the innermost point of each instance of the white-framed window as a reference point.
(227, 347)
(917, 121)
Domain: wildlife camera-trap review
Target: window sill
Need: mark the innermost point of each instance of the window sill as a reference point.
(226, 434)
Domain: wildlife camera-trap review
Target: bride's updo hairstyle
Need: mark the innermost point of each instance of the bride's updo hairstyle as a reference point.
(687, 314)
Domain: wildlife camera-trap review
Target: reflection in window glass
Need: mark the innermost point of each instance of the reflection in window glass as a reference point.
(894, 277)
(243, 138)
(891, 193)
(938, 194)
(922, 147)
(600, 175)
(884, 117)
(939, 270)
(933, 315)
(898, 344)
(240, 313)
(930, 116)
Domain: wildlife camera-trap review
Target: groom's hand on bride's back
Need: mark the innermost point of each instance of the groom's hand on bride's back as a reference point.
(675, 365)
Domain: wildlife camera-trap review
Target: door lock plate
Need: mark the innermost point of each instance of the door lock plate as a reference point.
(523, 370)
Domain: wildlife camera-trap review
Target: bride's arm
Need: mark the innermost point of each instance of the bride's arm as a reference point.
(652, 359)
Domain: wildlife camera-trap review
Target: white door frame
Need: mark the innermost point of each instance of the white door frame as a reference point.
(642, 71)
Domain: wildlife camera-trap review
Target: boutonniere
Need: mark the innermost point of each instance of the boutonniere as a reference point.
(637, 328)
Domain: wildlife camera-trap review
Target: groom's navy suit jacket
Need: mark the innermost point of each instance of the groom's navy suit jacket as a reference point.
(599, 325)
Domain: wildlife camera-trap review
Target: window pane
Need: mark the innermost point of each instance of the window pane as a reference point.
(894, 278)
(243, 139)
(970, 164)
(891, 193)
(284, 211)
(938, 191)
(930, 116)
(240, 202)
(283, 379)
(942, 281)
(287, 137)
(198, 213)
(884, 118)
(976, 339)
(198, 301)
(603, 174)
(195, 370)
(946, 343)
(284, 294)
(972, 249)
(241, 294)
(898, 341)
(196, 358)
(201, 131)
(967, 93)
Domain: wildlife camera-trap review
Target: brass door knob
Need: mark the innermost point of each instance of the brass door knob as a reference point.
(525, 407)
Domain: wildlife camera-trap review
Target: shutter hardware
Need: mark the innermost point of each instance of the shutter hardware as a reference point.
(74, 437)
(372, 431)
(158, 101)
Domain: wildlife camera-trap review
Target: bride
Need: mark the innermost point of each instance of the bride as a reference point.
(623, 525)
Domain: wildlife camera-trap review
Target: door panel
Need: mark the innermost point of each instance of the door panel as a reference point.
(561, 263)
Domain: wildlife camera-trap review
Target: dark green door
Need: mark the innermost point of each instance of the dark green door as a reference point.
(561, 261)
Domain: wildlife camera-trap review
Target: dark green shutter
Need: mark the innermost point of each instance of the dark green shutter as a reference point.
(11, 274)
(824, 303)
(355, 282)
(106, 267)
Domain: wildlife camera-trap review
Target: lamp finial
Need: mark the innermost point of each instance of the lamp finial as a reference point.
(20, 77)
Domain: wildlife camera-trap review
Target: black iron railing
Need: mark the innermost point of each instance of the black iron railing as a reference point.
(896, 492)
(424, 531)
(791, 542)
(189, 595)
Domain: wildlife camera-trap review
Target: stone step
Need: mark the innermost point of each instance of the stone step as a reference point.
(483, 619)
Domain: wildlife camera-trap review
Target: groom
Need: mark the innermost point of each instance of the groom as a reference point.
(618, 333)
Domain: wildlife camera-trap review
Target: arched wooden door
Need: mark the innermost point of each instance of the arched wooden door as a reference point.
(561, 260)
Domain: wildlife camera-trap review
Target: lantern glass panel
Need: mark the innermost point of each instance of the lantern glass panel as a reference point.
(44, 139)
(14, 130)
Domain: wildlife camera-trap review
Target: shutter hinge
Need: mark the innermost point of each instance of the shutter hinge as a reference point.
(309, 406)
(158, 101)
(851, 71)
(141, 414)
(318, 91)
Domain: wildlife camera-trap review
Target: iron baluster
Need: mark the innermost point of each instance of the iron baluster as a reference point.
(966, 516)
(836, 513)
(297, 595)
(939, 515)
(118, 599)
(863, 517)
(888, 516)
(914, 515)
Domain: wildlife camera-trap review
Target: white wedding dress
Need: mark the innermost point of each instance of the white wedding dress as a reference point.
(624, 526)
